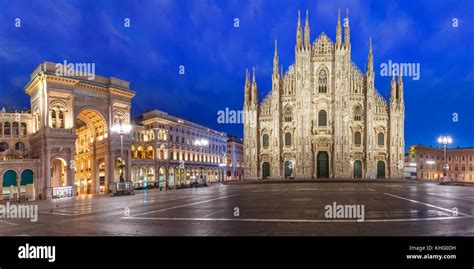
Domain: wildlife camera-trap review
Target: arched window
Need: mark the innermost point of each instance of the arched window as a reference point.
(381, 139)
(7, 128)
(265, 141)
(3, 147)
(60, 121)
(322, 118)
(357, 113)
(23, 129)
(141, 152)
(357, 139)
(150, 152)
(15, 129)
(288, 114)
(19, 146)
(53, 118)
(288, 139)
(322, 81)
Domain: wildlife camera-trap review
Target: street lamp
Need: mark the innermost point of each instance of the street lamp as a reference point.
(445, 140)
(121, 129)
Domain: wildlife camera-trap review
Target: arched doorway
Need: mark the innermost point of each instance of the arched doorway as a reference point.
(151, 175)
(289, 169)
(162, 177)
(10, 184)
(180, 175)
(322, 163)
(380, 169)
(58, 172)
(265, 170)
(142, 177)
(135, 175)
(357, 169)
(91, 130)
(27, 184)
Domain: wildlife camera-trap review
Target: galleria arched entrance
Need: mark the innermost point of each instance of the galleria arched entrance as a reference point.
(91, 144)
(72, 116)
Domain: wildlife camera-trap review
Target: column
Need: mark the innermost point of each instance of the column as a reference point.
(167, 177)
(94, 173)
(47, 192)
(128, 165)
(18, 185)
(109, 168)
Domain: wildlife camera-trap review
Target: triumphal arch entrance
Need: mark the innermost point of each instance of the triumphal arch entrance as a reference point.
(73, 114)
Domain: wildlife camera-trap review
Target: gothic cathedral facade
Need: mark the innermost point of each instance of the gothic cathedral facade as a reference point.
(323, 117)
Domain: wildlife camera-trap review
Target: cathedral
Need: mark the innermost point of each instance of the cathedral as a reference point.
(323, 117)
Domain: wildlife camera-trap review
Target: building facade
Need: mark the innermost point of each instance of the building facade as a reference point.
(171, 152)
(235, 158)
(64, 145)
(68, 132)
(429, 162)
(323, 117)
(17, 167)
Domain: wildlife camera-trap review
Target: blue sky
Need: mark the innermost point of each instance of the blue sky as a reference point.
(200, 35)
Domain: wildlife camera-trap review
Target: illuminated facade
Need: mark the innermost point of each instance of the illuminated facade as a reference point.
(429, 163)
(171, 152)
(235, 158)
(323, 118)
(65, 143)
(65, 137)
(17, 167)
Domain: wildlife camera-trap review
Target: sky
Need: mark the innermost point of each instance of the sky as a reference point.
(201, 35)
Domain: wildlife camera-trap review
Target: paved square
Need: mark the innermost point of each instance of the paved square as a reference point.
(285, 209)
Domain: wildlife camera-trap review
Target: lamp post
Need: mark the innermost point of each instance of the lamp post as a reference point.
(445, 140)
(121, 129)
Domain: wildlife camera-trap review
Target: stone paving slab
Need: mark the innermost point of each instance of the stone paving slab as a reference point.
(273, 209)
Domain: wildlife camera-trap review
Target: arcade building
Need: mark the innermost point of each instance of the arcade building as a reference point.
(66, 144)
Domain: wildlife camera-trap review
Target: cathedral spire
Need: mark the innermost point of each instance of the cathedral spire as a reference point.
(299, 34)
(275, 59)
(400, 88)
(338, 29)
(254, 88)
(347, 31)
(306, 32)
(247, 88)
(393, 89)
(370, 60)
